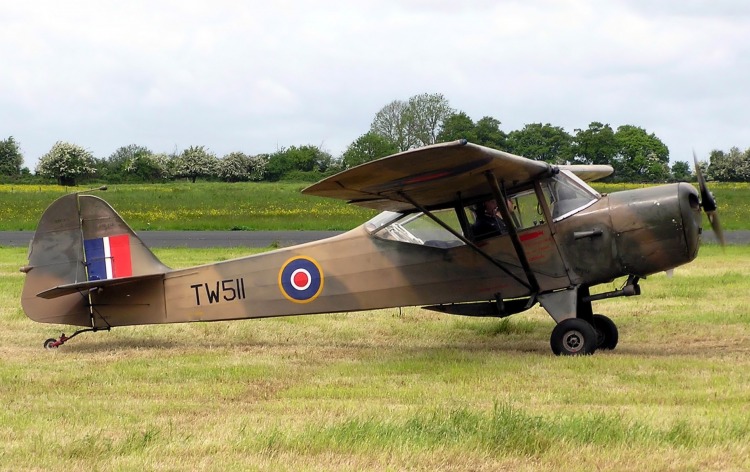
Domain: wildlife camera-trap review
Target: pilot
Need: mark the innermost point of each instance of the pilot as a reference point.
(487, 220)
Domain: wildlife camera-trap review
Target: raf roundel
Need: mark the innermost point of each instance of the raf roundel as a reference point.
(301, 279)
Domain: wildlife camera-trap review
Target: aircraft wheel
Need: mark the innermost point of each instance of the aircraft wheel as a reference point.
(573, 337)
(606, 332)
(50, 343)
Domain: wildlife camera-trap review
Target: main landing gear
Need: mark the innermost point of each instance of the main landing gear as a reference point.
(579, 331)
(576, 336)
(53, 343)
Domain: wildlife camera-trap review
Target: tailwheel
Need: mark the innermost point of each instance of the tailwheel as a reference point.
(53, 343)
(573, 337)
(606, 332)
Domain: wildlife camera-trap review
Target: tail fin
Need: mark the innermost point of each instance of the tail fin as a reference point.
(80, 238)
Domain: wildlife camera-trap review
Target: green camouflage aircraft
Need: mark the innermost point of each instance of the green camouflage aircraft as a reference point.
(465, 230)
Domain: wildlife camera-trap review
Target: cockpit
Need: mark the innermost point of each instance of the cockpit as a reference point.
(555, 198)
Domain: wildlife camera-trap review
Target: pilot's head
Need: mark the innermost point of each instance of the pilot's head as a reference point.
(488, 207)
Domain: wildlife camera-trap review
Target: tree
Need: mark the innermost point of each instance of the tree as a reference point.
(427, 112)
(733, 166)
(641, 157)
(149, 167)
(458, 126)
(392, 123)
(195, 162)
(127, 153)
(595, 145)
(681, 171)
(258, 165)
(120, 164)
(234, 167)
(368, 147)
(239, 167)
(413, 123)
(542, 143)
(66, 162)
(485, 132)
(703, 166)
(488, 133)
(11, 159)
(305, 159)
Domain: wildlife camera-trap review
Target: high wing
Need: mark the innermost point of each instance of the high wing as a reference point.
(434, 176)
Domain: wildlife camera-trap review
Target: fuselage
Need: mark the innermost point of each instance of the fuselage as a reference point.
(636, 232)
(396, 259)
(633, 232)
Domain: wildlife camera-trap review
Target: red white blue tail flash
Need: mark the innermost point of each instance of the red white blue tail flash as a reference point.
(108, 257)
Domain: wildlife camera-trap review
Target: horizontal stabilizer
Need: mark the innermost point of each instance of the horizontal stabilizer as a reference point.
(67, 289)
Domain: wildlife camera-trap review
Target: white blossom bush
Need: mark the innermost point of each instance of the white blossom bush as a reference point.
(195, 162)
(65, 162)
(239, 167)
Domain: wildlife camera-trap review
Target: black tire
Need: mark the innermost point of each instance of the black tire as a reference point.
(606, 330)
(49, 344)
(573, 337)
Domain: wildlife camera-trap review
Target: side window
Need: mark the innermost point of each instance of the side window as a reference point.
(421, 229)
(564, 194)
(529, 212)
(486, 220)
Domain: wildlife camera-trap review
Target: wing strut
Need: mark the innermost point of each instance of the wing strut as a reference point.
(502, 204)
(469, 243)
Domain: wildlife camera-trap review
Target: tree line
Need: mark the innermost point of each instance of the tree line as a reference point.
(635, 154)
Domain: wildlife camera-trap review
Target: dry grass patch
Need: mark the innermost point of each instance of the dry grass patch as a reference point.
(392, 389)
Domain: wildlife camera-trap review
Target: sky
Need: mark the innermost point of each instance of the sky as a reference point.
(257, 76)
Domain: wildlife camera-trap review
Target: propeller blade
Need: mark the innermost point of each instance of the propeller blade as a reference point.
(707, 199)
(713, 217)
(708, 203)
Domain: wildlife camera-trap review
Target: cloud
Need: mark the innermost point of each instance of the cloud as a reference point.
(254, 76)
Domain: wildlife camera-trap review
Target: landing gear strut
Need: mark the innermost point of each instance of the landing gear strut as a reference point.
(53, 343)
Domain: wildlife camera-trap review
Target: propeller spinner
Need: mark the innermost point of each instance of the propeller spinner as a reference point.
(708, 203)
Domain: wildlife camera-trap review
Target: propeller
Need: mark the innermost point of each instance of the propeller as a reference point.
(708, 203)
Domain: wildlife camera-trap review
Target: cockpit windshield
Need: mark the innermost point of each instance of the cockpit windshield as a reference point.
(568, 195)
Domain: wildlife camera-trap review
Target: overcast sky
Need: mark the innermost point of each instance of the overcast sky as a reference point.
(255, 76)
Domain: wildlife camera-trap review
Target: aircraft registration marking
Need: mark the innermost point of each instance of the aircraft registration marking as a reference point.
(301, 279)
(538, 245)
(225, 290)
(532, 235)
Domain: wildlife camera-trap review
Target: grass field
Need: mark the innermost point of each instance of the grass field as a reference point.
(388, 390)
(199, 206)
(257, 206)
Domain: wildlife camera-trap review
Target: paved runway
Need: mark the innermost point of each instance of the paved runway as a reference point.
(265, 238)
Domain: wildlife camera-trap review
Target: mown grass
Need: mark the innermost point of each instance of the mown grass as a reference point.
(257, 206)
(199, 206)
(388, 390)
